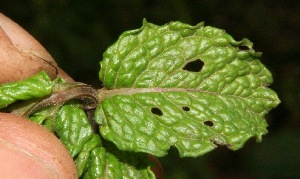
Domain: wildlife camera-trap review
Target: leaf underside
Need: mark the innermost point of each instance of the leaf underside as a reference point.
(191, 87)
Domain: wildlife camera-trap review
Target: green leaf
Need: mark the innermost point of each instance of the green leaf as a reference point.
(73, 128)
(109, 162)
(45, 117)
(192, 87)
(62, 92)
(84, 159)
(36, 86)
(91, 158)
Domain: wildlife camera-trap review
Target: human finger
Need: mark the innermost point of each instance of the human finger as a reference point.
(28, 150)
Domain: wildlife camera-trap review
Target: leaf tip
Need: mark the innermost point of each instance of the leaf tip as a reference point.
(145, 22)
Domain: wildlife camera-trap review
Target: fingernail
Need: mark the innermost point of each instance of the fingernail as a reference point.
(17, 163)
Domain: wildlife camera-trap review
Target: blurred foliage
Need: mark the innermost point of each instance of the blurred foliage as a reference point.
(76, 33)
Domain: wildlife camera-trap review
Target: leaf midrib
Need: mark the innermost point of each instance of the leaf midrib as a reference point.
(109, 93)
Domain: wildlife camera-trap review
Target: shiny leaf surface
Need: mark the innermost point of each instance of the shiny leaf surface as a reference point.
(192, 87)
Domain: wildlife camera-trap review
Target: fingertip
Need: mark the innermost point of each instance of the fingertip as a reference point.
(29, 143)
(22, 56)
(19, 164)
(22, 40)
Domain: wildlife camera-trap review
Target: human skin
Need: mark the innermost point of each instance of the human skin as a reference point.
(22, 56)
(28, 150)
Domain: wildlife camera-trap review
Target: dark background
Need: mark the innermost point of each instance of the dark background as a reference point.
(76, 33)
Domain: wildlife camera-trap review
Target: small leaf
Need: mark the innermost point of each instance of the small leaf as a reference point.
(45, 117)
(73, 128)
(92, 159)
(192, 87)
(109, 162)
(83, 159)
(36, 86)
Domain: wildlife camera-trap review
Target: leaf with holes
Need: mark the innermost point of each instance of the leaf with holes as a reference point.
(192, 87)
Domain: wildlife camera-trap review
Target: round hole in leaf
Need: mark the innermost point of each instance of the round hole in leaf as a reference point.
(194, 66)
(156, 111)
(209, 123)
(243, 47)
(185, 108)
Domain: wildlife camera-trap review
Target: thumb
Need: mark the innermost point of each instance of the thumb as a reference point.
(27, 150)
(21, 55)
